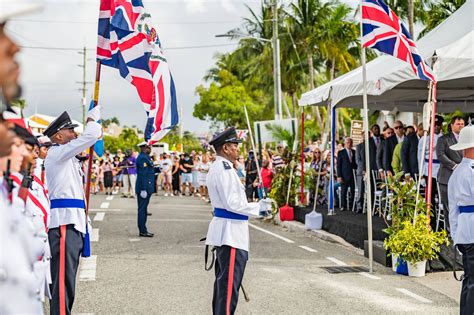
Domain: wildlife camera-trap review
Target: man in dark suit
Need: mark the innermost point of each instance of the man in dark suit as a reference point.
(387, 133)
(409, 152)
(145, 186)
(375, 141)
(346, 163)
(449, 160)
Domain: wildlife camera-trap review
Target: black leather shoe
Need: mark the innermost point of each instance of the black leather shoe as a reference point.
(147, 234)
(148, 213)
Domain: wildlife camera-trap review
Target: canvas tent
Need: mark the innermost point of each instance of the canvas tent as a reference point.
(392, 84)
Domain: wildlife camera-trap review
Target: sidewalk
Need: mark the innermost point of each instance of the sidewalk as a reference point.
(442, 282)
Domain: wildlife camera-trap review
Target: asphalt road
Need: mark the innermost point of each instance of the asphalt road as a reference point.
(285, 274)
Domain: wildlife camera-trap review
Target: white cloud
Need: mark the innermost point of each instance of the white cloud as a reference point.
(195, 6)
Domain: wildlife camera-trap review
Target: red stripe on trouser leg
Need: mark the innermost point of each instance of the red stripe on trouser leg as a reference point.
(230, 279)
(62, 270)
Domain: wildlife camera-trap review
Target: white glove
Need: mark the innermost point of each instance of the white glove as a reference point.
(94, 113)
(143, 194)
(266, 206)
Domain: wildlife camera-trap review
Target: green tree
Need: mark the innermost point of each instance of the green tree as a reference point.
(223, 102)
(128, 139)
(438, 11)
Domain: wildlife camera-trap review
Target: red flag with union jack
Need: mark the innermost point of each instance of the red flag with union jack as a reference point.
(383, 30)
(127, 41)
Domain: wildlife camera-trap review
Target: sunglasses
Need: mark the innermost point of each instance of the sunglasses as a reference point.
(398, 127)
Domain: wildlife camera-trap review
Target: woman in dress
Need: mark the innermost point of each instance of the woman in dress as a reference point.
(202, 176)
(107, 168)
(195, 172)
(175, 179)
(117, 172)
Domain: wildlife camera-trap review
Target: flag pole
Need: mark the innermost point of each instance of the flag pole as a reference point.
(91, 149)
(366, 147)
(431, 154)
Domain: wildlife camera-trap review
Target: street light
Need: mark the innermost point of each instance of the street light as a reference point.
(276, 65)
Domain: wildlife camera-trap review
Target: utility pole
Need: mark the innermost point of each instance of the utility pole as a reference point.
(276, 64)
(84, 83)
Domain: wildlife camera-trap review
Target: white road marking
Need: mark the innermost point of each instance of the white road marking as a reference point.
(309, 249)
(99, 216)
(134, 240)
(413, 295)
(104, 205)
(87, 270)
(370, 276)
(271, 233)
(164, 220)
(95, 235)
(109, 198)
(106, 210)
(336, 261)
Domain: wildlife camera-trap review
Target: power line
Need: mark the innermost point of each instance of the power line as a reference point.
(79, 49)
(95, 23)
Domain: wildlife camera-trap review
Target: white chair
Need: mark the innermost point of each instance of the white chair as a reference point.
(378, 191)
(356, 191)
(388, 197)
(439, 209)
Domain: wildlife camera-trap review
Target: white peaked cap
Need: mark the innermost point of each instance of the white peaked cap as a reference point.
(13, 8)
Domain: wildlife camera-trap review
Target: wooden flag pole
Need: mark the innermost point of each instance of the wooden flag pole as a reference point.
(91, 149)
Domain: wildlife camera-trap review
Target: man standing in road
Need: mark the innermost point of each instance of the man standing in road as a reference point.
(449, 160)
(145, 186)
(68, 218)
(461, 214)
(228, 231)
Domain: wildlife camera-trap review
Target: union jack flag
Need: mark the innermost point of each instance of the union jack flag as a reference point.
(127, 41)
(383, 30)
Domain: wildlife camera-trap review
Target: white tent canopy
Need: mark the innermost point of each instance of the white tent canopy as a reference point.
(391, 82)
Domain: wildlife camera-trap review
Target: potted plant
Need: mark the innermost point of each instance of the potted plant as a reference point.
(417, 243)
(403, 203)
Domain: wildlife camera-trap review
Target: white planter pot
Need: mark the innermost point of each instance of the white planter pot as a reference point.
(417, 269)
(394, 262)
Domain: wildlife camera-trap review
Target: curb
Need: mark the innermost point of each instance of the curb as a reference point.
(297, 226)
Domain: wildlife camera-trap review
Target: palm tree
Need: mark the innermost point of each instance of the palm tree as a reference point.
(437, 12)
(305, 18)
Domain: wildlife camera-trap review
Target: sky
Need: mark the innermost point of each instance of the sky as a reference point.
(49, 76)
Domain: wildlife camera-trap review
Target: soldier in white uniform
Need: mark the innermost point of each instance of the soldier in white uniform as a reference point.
(461, 214)
(68, 219)
(228, 231)
(21, 274)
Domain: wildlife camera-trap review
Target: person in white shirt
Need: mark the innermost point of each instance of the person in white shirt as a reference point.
(461, 214)
(228, 231)
(68, 223)
(165, 166)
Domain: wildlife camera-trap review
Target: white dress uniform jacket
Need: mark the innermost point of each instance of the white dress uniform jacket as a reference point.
(20, 291)
(461, 193)
(426, 156)
(64, 177)
(227, 192)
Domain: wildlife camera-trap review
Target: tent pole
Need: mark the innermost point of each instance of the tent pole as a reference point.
(302, 197)
(333, 147)
(366, 146)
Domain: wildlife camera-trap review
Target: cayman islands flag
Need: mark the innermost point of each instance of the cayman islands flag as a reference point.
(128, 42)
(384, 31)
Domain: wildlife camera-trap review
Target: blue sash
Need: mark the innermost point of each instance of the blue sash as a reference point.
(68, 203)
(223, 213)
(434, 161)
(466, 209)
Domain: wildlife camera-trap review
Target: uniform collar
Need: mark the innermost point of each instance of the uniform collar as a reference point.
(220, 158)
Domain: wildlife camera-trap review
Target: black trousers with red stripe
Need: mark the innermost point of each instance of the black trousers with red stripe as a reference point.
(230, 268)
(63, 272)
